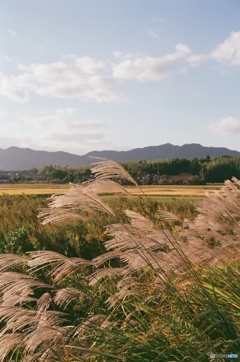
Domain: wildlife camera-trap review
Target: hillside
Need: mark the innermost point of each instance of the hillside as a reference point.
(15, 158)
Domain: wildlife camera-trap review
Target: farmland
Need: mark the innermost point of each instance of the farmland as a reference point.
(152, 190)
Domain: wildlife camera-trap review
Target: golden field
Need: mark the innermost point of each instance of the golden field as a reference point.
(152, 190)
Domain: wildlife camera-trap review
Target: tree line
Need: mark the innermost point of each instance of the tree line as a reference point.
(198, 171)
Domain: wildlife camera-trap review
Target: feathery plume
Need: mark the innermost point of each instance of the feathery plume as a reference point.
(74, 205)
(62, 266)
(107, 169)
(64, 296)
(9, 342)
(9, 261)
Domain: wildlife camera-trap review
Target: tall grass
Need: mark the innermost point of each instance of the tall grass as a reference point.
(165, 289)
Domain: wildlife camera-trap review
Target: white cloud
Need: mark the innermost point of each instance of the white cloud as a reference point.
(90, 66)
(58, 130)
(228, 52)
(196, 59)
(62, 129)
(226, 126)
(152, 68)
(84, 79)
(11, 87)
(146, 68)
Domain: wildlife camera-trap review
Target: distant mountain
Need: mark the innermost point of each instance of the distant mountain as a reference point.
(165, 151)
(18, 159)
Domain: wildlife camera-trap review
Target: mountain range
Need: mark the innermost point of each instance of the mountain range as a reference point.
(19, 159)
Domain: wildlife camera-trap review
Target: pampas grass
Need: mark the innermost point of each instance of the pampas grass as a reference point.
(157, 293)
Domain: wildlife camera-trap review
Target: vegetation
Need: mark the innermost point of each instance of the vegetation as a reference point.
(200, 171)
(159, 283)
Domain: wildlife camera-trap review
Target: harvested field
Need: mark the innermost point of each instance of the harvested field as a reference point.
(153, 190)
(174, 190)
(18, 189)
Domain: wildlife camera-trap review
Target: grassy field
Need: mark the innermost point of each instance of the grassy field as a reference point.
(119, 286)
(153, 190)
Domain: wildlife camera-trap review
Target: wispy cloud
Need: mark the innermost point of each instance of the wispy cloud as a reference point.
(124, 56)
(226, 126)
(153, 33)
(152, 68)
(159, 19)
(12, 33)
(228, 52)
(61, 129)
(196, 59)
(156, 68)
(5, 58)
(84, 79)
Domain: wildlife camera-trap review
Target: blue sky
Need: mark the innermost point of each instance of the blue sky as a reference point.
(84, 75)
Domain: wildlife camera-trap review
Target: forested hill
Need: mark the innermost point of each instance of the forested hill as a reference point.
(166, 151)
(19, 159)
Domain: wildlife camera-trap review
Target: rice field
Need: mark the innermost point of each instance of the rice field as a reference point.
(191, 191)
(36, 189)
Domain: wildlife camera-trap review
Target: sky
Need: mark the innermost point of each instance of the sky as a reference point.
(86, 75)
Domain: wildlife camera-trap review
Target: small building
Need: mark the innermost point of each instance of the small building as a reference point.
(182, 178)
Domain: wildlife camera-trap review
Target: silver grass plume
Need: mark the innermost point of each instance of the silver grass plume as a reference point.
(107, 169)
(139, 245)
(85, 198)
(218, 220)
(102, 186)
(18, 288)
(61, 266)
(74, 205)
(9, 261)
(9, 342)
(64, 296)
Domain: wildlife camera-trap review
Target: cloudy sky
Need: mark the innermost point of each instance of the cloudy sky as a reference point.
(84, 75)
